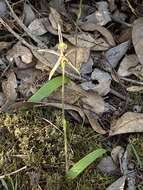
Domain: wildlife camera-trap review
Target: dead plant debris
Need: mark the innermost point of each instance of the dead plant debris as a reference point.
(105, 44)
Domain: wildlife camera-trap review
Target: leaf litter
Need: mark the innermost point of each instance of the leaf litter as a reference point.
(95, 96)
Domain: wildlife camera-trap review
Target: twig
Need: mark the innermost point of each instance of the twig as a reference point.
(40, 44)
(9, 174)
(52, 124)
(132, 81)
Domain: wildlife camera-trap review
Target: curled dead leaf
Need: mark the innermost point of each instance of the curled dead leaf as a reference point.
(129, 61)
(92, 118)
(130, 122)
(18, 50)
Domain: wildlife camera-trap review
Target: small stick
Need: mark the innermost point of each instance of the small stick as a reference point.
(52, 125)
(132, 81)
(9, 174)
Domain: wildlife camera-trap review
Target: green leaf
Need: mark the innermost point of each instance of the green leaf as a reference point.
(48, 88)
(84, 163)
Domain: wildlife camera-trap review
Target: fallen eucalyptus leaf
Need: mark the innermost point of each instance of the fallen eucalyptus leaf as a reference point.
(58, 6)
(93, 102)
(9, 89)
(137, 38)
(104, 81)
(86, 40)
(103, 86)
(28, 14)
(78, 56)
(3, 8)
(107, 166)
(129, 61)
(130, 122)
(55, 18)
(113, 55)
(100, 17)
(102, 30)
(83, 40)
(118, 185)
(37, 27)
(2, 99)
(86, 68)
(94, 122)
(66, 106)
(72, 94)
(132, 180)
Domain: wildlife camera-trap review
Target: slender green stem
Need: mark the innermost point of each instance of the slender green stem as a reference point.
(63, 117)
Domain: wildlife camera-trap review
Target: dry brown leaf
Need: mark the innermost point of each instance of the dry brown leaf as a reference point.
(102, 30)
(3, 8)
(129, 61)
(86, 68)
(2, 98)
(21, 51)
(93, 102)
(100, 45)
(118, 184)
(101, 16)
(27, 78)
(104, 80)
(46, 60)
(9, 89)
(113, 55)
(66, 106)
(94, 122)
(116, 152)
(72, 94)
(137, 38)
(83, 40)
(55, 18)
(78, 56)
(58, 5)
(28, 14)
(86, 40)
(107, 166)
(130, 122)
(37, 26)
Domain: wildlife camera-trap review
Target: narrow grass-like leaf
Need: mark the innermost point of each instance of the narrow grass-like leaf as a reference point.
(84, 163)
(48, 88)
